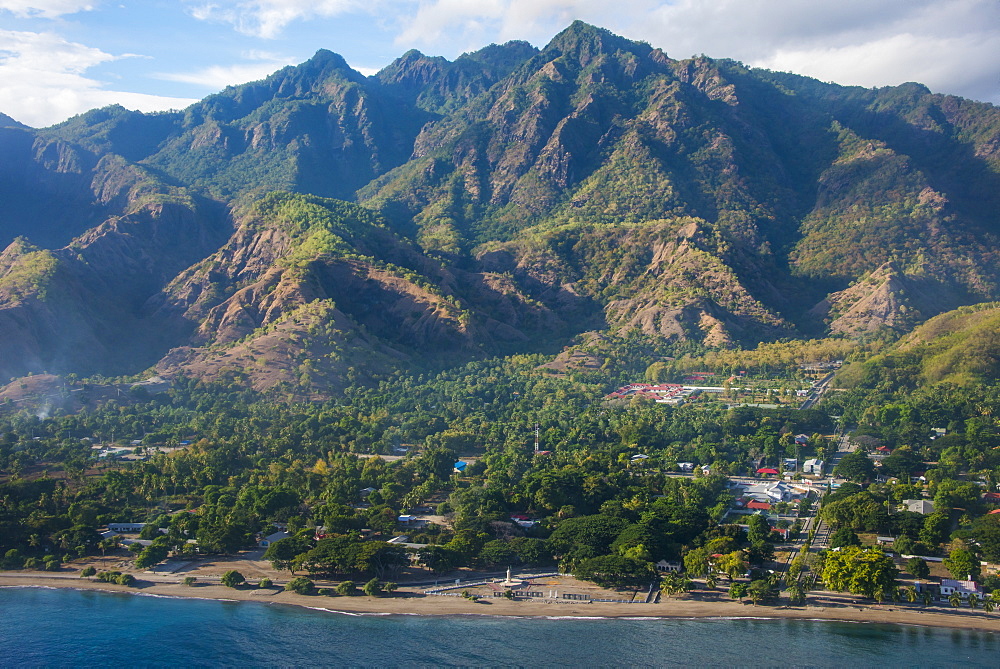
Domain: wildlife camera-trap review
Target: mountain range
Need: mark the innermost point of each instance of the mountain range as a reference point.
(319, 226)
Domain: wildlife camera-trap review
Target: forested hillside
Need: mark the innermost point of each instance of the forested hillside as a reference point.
(504, 202)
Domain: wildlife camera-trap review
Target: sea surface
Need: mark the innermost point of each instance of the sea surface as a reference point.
(62, 627)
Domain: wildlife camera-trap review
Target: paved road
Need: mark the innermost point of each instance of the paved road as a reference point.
(844, 446)
(817, 392)
(821, 540)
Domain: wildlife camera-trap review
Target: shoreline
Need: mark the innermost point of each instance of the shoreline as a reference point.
(431, 605)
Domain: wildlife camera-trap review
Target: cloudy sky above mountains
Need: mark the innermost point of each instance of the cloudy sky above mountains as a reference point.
(61, 57)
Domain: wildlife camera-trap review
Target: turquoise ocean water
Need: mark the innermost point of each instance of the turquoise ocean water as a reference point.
(40, 626)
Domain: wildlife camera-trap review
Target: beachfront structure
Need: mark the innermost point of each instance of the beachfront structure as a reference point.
(950, 586)
(664, 566)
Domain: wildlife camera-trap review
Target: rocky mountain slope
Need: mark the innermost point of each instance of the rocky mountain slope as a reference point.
(505, 201)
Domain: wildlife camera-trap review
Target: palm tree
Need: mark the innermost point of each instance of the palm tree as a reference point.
(927, 597)
(796, 594)
(910, 593)
(988, 606)
(710, 581)
(973, 600)
(671, 584)
(955, 599)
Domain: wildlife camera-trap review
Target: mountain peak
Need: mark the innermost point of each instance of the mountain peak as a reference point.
(412, 71)
(324, 61)
(585, 42)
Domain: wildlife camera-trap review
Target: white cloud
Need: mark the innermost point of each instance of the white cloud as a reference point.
(267, 18)
(900, 58)
(218, 77)
(47, 9)
(951, 45)
(42, 80)
(472, 23)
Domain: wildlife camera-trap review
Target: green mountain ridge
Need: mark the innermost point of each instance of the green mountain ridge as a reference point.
(505, 201)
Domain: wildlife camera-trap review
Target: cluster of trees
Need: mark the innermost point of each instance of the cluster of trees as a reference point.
(336, 556)
(601, 513)
(862, 571)
(115, 577)
(781, 359)
(254, 461)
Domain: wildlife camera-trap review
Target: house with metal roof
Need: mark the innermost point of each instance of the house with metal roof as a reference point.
(950, 586)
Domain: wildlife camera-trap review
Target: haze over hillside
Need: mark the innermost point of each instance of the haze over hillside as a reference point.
(320, 226)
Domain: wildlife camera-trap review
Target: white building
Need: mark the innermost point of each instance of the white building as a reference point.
(813, 466)
(924, 506)
(772, 492)
(665, 566)
(127, 528)
(963, 588)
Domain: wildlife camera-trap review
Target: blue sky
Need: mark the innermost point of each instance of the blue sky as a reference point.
(61, 57)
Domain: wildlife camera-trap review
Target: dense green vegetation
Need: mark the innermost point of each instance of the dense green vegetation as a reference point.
(254, 461)
(601, 513)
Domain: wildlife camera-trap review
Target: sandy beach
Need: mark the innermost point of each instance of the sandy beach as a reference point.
(405, 602)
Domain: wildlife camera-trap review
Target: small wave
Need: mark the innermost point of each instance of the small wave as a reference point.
(356, 614)
(151, 594)
(39, 587)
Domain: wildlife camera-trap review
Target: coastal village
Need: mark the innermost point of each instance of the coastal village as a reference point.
(786, 497)
(782, 495)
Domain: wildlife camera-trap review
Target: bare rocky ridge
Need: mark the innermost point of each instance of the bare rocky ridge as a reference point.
(886, 299)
